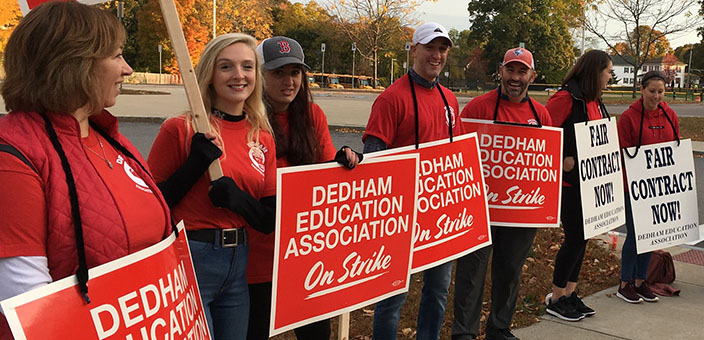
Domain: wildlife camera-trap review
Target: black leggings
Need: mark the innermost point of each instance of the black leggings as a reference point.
(568, 261)
(259, 316)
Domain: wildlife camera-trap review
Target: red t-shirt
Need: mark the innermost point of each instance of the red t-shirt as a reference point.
(560, 107)
(24, 209)
(252, 168)
(392, 118)
(261, 246)
(322, 133)
(482, 107)
(656, 127)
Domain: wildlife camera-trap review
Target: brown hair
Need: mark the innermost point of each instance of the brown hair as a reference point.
(651, 76)
(50, 56)
(587, 71)
(301, 146)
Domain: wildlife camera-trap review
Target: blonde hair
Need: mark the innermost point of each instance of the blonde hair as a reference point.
(51, 55)
(253, 105)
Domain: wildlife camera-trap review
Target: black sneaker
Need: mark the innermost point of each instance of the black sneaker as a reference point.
(579, 305)
(499, 334)
(564, 310)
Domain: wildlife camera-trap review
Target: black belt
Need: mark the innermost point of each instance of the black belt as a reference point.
(226, 238)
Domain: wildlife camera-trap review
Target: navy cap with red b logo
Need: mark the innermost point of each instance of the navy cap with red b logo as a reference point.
(279, 51)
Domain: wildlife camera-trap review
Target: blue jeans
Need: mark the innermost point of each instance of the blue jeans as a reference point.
(223, 288)
(387, 313)
(633, 265)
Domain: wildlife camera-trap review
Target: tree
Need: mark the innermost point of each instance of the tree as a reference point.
(10, 16)
(373, 24)
(644, 22)
(669, 62)
(248, 16)
(540, 24)
(614, 80)
(311, 25)
(656, 49)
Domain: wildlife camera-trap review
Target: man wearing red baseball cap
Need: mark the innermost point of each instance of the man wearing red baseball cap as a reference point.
(508, 103)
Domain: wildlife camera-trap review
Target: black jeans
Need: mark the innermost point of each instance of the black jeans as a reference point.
(259, 317)
(510, 247)
(568, 261)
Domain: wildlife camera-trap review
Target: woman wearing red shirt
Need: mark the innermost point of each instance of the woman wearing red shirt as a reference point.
(578, 101)
(302, 137)
(231, 86)
(75, 193)
(647, 121)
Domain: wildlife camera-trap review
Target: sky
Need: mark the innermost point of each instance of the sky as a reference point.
(453, 14)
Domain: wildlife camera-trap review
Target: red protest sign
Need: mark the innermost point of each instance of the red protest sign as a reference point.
(522, 167)
(151, 294)
(453, 217)
(343, 238)
(28, 5)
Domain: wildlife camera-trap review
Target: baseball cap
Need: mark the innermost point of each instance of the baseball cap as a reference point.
(520, 55)
(279, 51)
(429, 31)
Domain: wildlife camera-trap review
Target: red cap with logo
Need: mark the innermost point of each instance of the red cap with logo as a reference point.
(520, 55)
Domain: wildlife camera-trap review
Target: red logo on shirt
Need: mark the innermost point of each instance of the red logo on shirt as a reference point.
(284, 47)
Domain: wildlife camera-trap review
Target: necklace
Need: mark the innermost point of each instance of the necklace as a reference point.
(228, 117)
(103, 157)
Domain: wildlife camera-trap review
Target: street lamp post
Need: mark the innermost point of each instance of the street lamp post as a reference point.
(408, 48)
(322, 49)
(393, 60)
(160, 48)
(354, 53)
(215, 6)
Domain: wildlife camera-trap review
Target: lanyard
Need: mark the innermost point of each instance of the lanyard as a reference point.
(640, 134)
(415, 108)
(532, 108)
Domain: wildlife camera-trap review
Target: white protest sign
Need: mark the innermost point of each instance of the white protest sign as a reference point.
(600, 176)
(663, 194)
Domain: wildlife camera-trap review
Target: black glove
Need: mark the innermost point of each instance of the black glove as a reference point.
(341, 157)
(224, 193)
(203, 152)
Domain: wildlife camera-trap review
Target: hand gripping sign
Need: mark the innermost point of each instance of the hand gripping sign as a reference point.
(663, 190)
(522, 167)
(600, 176)
(343, 238)
(453, 217)
(150, 294)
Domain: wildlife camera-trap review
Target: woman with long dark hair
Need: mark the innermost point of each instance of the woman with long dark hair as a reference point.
(579, 100)
(302, 137)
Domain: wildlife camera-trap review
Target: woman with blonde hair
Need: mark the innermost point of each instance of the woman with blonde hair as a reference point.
(75, 193)
(230, 83)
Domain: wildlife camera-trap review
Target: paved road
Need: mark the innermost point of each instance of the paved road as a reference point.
(342, 108)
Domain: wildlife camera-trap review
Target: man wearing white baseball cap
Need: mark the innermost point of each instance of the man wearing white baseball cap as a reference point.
(416, 109)
(509, 103)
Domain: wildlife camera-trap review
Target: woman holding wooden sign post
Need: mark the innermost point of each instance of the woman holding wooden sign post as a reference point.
(75, 193)
(302, 137)
(579, 100)
(231, 86)
(647, 121)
